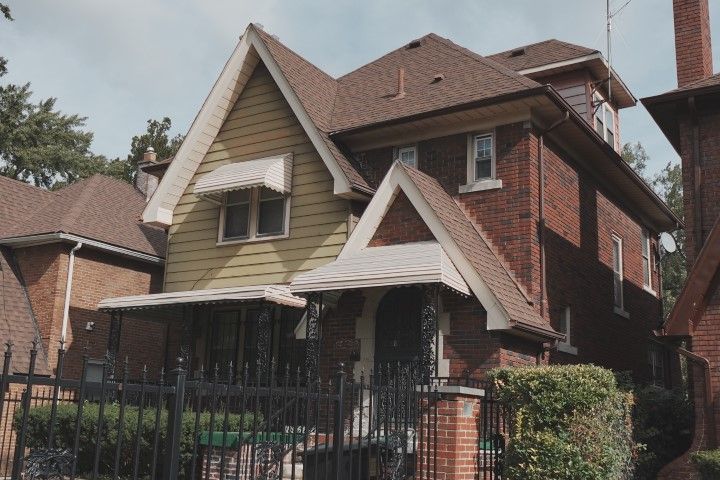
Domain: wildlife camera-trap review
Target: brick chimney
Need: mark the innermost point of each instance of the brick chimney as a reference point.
(693, 51)
(144, 182)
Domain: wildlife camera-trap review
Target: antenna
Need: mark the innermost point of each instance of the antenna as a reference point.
(609, 48)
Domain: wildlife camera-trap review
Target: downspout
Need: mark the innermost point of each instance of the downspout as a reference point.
(68, 291)
(541, 213)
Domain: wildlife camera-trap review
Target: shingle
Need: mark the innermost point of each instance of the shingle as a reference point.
(539, 54)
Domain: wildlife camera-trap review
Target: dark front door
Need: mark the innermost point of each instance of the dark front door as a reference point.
(397, 328)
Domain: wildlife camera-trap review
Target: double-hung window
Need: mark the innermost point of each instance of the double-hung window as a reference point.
(408, 156)
(565, 324)
(656, 361)
(618, 275)
(646, 260)
(604, 120)
(483, 161)
(253, 214)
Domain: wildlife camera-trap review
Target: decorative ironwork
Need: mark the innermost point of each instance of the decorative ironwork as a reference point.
(348, 348)
(269, 458)
(429, 325)
(264, 341)
(395, 467)
(187, 335)
(312, 335)
(48, 463)
(113, 345)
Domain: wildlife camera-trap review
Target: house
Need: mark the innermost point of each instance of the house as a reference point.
(60, 253)
(689, 117)
(433, 206)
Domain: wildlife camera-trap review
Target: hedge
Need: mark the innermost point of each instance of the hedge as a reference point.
(39, 420)
(569, 423)
(708, 464)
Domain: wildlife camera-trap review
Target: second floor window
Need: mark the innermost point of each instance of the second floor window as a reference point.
(617, 263)
(253, 214)
(408, 156)
(646, 260)
(604, 120)
(483, 156)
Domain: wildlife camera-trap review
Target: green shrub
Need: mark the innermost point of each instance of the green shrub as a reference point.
(569, 423)
(39, 420)
(708, 463)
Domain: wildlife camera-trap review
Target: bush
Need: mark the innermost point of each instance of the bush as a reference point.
(39, 420)
(569, 423)
(662, 423)
(708, 464)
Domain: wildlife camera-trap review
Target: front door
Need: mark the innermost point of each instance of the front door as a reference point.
(398, 329)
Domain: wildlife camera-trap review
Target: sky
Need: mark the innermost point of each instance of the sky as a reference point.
(122, 63)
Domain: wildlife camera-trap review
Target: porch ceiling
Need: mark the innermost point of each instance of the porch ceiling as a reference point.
(279, 294)
(404, 264)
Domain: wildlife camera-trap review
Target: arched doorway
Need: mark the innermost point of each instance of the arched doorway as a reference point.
(398, 327)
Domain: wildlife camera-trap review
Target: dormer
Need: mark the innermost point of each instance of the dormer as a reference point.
(583, 78)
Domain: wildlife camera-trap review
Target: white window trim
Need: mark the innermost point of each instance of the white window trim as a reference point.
(646, 242)
(619, 309)
(408, 148)
(606, 110)
(253, 236)
(490, 183)
(566, 345)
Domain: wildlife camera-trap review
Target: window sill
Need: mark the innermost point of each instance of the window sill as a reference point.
(650, 291)
(480, 185)
(567, 348)
(223, 243)
(622, 312)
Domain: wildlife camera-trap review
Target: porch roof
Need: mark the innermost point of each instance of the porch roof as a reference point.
(273, 172)
(404, 264)
(279, 294)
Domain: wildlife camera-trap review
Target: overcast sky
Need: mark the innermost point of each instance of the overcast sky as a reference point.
(122, 62)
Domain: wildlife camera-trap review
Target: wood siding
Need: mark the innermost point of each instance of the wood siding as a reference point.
(261, 123)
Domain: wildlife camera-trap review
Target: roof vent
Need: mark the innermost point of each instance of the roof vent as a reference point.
(438, 77)
(414, 44)
(518, 52)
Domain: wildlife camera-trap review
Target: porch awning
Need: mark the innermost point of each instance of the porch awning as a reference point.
(274, 173)
(404, 264)
(279, 294)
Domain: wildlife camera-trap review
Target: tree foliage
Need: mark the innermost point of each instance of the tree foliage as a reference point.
(5, 11)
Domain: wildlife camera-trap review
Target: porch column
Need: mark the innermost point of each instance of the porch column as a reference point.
(429, 325)
(264, 340)
(113, 345)
(312, 335)
(186, 340)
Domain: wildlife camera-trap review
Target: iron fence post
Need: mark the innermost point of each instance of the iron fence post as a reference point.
(174, 424)
(339, 433)
(5, 371)
(27, 397)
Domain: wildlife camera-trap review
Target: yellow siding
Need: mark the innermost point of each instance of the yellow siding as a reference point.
(261, 123)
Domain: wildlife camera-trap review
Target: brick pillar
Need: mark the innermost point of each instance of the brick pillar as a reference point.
(693, 51)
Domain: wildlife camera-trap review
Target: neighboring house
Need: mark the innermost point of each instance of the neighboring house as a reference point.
(60, 253)
(689, 116)
(490, 188)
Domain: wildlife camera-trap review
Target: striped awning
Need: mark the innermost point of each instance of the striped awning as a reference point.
(404, 264)
(274, 173)
(279, 294)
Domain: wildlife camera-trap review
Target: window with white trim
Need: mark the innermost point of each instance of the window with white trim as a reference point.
(646, 260)
(253, 214)
(656, 362)
(408, 155)
(565, 328)
(617, 263)
(604, 119)
(483, 157)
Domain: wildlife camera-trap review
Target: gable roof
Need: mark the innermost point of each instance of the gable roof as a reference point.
(99, 208)
(506, 303)
(540, 54)
(700, 285)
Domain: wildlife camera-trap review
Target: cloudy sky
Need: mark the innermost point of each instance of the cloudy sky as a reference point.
(122, 62)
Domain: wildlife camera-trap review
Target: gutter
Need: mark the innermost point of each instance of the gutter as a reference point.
(68, 292)
(29, 240)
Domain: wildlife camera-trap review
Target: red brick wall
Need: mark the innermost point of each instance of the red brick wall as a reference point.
(96, 276)
(693, 49)
(401, 224)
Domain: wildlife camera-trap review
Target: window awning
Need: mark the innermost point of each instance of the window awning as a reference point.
(279, 294)
(404, 264)
(274, 173)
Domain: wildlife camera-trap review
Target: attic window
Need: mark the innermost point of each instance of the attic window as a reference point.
(518, 52)
(413, 44)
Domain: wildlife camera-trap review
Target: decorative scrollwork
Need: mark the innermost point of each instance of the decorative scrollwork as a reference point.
(395, 463)
(264, 333)
(312, 336)
(48, 463)
(429, 331)
(268, 458)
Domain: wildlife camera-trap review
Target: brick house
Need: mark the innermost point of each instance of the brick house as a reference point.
(60, 253)
(689, 116)
(433, 206)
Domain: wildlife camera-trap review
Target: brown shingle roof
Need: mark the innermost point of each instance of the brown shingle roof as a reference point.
(539, 54)
(479, 252)
(100, 208)
(367, 95)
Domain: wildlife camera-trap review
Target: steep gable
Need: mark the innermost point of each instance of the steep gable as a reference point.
(401, 224)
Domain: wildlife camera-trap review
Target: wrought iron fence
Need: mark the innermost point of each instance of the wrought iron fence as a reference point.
(383, 425)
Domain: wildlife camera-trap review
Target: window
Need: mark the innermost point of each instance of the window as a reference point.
(408, 156)
(618, 294)
(646, 260)
(254, 214)
(656, 362)
(483, 156)
(565, 319)
(604, 120)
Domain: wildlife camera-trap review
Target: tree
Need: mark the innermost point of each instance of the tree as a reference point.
(668, 184)
(41, 145)
(5, 10)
